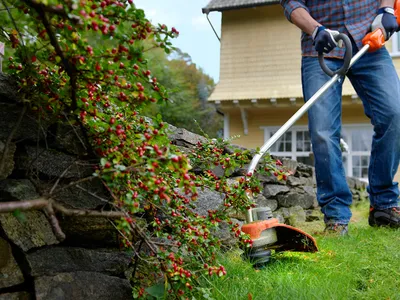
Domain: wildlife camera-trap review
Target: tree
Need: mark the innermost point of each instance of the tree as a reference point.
(189, 90)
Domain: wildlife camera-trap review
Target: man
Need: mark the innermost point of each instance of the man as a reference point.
(377, 84)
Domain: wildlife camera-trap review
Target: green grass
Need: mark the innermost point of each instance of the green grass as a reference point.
(363, 265)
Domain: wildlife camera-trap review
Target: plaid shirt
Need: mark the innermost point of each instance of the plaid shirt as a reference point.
(351, 17)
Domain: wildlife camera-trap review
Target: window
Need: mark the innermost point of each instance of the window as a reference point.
(296, 144)
(359, 141)
(395, 44)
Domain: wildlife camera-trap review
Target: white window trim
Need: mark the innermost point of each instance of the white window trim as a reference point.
(395, 45)
(346, 129)
(293, 154)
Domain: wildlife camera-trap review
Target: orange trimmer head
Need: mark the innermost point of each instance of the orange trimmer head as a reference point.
(268, 234)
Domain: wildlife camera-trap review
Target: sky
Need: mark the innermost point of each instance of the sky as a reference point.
(196, 36)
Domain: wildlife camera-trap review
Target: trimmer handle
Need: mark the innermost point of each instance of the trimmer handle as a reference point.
(376, 40)
(347, 57)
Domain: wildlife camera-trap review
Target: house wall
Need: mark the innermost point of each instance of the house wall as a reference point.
(260, 59)
(257, 118)
(260, 56)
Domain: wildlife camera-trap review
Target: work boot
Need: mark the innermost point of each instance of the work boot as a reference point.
(384, 217)
(336, 229)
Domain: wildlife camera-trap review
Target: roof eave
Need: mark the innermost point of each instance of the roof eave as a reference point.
(206, 10)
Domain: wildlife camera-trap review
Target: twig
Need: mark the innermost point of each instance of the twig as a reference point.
(94, 195)
(10, 137)
(55, 225)
(13, 21)
(88, 213)
(61, 176)
(76, 133)
(71, 184)
(6, 207)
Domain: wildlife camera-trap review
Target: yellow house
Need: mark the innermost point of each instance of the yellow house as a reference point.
(260, 84)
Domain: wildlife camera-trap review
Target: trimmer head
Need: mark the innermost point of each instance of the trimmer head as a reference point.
(267, 233)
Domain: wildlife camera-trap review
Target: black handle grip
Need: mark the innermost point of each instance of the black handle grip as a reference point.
(347, 57)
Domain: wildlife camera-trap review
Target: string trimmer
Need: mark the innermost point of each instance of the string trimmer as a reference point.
(265, 231)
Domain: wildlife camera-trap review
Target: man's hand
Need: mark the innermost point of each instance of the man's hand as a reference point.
(324, 39)
(386, 21)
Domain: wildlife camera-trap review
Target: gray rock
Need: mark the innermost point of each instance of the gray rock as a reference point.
(364, 196)
(314, 215)
(356, 197)
(10, 273)
(296, 216)
(278, 216)
(284, 211)
(307, 181)
(206, 200)
(261, 201)
(270, 179)
(232, 181)
(9, 159)
(361, 184)
(290, 165)
(54, 260)
(32, 232)
(310, 190)
(271, 190)
(293, 199)
(69, 138)
(182, 137)
(15, 296)
(304, 170)
(282, 214)
(297, 189)
(74, 197)
(17, 189)
(29, 128)
(351, 182)
(8, 88)
(82, 285)
(89, 232)
(54, 163)
(219, 171)
(294, 181)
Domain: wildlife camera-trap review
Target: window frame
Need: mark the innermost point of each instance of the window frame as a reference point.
(294, 153)
(395, 51)
(347, 130)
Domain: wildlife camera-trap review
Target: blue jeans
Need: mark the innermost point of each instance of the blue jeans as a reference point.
(377, 84)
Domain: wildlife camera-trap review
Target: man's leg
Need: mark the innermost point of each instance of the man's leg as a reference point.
(324, 118)
(377, 84)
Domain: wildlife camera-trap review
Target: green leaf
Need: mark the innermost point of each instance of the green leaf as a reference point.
(19, 215)
(156, 291)
(103, 161)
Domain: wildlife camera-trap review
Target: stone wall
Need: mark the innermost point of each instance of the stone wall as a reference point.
(88, 264)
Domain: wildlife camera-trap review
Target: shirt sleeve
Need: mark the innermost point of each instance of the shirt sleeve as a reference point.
(290, 5)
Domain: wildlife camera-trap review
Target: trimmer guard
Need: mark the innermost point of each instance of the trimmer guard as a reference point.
(288, 237)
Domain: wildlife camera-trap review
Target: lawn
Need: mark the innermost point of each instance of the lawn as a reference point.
(363, 265)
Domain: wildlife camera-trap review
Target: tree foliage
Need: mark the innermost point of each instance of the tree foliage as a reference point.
(85, 63)
(189, 88)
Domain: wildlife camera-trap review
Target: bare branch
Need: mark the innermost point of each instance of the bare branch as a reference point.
(88, 213)
(60, 235)
(58, 179)
(76, 133)
(6, 207)
(71, 184)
